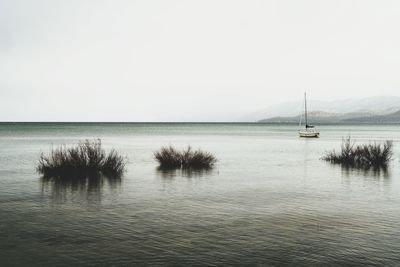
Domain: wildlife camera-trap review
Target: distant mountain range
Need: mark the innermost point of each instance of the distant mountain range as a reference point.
(318, 117)
(373, 110)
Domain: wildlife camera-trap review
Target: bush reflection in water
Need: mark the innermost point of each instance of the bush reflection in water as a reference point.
(185, 172)
(77, 188)
(373, 171)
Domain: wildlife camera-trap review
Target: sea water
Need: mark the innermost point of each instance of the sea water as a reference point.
(270, 200)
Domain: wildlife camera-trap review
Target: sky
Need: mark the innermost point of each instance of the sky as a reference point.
(203, 60)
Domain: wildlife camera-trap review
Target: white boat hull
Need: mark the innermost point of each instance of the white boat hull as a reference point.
(310, 134)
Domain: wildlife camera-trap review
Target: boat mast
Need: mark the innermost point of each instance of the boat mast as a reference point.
(305, 108)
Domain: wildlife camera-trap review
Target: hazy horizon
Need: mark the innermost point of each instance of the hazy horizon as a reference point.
(284, 109)
(190, 60)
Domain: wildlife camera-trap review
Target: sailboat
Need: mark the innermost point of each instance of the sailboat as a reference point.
(309, 130)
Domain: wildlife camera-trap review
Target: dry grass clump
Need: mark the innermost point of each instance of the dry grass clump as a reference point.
(85, 159)
(171, 158)
(168, 158)
(361, 155)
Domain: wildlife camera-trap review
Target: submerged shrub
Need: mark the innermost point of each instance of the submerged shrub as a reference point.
(197, 159)
(85, 159)
(361, 155)
(170, 158)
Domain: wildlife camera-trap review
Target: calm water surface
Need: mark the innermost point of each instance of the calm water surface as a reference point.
(270, 201)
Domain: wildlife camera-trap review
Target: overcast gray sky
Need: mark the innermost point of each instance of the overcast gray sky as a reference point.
(78, 60)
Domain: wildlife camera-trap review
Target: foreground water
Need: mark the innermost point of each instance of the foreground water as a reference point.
(269, 201)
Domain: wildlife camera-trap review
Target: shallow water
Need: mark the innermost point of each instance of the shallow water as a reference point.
(269, 201)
